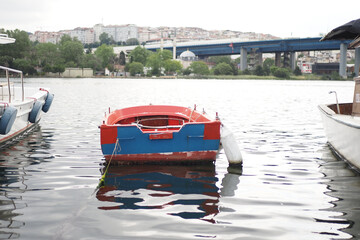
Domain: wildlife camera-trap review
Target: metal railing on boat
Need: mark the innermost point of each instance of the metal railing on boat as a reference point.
(7, 70)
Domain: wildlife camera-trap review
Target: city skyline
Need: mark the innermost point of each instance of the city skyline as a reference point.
(279, 18)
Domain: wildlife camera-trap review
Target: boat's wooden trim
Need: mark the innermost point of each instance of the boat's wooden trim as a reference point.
(345, 108)
(330, 114)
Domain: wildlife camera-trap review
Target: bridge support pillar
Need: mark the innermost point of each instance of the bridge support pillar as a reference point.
(357, 61)
(260, 58)
(243, 59)
(343, 53)
(293, 60)
(278, 59)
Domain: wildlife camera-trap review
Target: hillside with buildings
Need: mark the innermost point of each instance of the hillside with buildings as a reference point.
(121, 33)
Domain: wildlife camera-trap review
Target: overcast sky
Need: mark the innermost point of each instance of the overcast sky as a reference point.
(281, 18)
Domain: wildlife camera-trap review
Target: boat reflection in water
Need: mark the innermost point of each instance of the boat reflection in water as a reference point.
(343, 184)
(186, 191)
(14, 161)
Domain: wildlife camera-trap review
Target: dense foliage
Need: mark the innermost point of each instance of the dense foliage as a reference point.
(37, 58)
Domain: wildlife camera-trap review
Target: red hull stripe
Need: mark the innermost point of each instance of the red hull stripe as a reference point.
(164, 157)
(15, 134)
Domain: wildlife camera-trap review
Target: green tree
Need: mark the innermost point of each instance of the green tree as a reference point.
(47, 53)
(220, 59)
(58, 68)
(122, 58)
(154, 62)
(72, 51)
(335, 76)
(273, 69)
(172, 66)
(282, 73)
(246, 72)
(164, 54)
(139, 54)
(106, 54)
(132, 42)
(297, 71)
(24, 66)
(22, 45)
(187, 71)
(136, 68)
(267, 64)
(223, 69)
(20, 49)
(6, 61)
(65, 38)
(92, 61)
(199, 68)
(259, 71)
(105, 39)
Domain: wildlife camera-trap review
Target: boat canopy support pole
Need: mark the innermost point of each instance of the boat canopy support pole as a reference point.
(343, 53)
(357, 61)
(243, 59)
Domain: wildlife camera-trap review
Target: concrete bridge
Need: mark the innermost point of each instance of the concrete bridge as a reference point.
(285, 47)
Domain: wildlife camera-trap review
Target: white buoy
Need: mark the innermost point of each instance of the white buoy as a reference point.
(232, 150)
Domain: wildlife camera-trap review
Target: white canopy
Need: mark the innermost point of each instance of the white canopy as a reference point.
(4, 39)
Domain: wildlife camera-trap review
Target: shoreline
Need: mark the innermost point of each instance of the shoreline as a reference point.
(308, 77)
(214, 77)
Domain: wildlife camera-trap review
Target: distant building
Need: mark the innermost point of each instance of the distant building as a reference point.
(119, 33)
(187, 57)
(305, 67)
(84, 35)
(325, 68)
(147, 34)
(46, 37)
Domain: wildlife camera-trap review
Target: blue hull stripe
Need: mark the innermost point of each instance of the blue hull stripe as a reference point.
(133, 141)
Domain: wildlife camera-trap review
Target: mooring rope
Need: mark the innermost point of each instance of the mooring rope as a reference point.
(102, 179)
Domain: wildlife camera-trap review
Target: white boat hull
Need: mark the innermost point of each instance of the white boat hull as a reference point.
(22, 123)
(343, 134)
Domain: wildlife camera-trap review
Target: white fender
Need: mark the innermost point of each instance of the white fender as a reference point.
(232, 150)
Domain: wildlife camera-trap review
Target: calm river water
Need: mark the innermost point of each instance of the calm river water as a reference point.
(290, 186)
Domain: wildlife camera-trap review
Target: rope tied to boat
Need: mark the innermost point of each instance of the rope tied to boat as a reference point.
(116, 148)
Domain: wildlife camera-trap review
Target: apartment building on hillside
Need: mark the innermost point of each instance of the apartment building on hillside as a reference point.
(84, 35)
(119, 33)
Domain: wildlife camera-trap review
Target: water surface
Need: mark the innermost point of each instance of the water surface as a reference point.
(290, 186)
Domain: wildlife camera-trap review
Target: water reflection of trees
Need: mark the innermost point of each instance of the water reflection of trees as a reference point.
(186, 191)
(14, 158)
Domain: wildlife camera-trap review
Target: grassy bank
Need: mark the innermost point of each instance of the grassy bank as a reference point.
(292, 77)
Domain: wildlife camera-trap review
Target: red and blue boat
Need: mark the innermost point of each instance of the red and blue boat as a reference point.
(159, 133)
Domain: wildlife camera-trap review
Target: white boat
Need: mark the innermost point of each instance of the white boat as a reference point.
(342, 129)
(20, 108)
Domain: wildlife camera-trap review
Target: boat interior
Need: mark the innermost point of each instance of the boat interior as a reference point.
(345, 108)
(156, 122)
